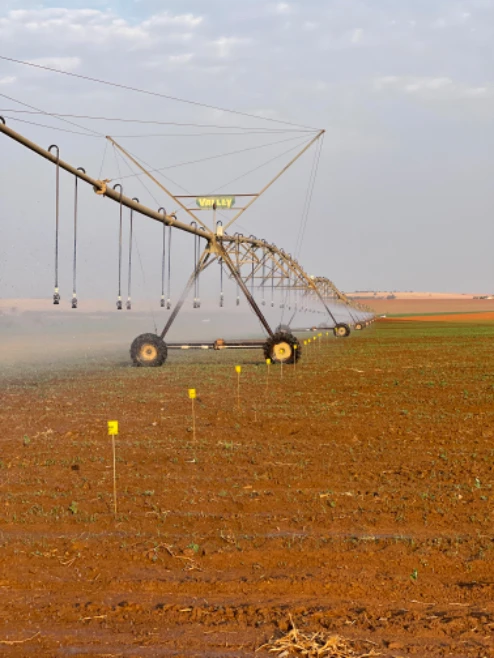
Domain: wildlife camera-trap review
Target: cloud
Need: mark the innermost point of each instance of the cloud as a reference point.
(225, 45)
(453, 19)
(282, 8)
(7, 80)
(165, 18)
(64, 27)
(357, 35)
(430, 87)
(181, 59)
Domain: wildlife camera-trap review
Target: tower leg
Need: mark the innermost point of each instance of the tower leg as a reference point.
(228, 262)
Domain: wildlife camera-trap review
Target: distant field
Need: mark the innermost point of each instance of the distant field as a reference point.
(430, 306)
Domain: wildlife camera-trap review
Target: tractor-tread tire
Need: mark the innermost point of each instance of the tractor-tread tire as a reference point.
(341, 330)
(282, 337)
(153, 341)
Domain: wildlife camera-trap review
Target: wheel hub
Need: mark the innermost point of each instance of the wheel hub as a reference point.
(282, 351)
(148, 352)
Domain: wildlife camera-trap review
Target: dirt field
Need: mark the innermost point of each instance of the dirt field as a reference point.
(355, 494)
(434, 306)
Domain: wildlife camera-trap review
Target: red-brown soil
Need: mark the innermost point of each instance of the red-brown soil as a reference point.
(421, 306)
(354, 494)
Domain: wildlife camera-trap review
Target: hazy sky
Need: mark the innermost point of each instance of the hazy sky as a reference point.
(405, 91)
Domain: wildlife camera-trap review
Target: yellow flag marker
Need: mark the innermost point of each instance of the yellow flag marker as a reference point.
(113, 428)
(268, 363)
(295, 347)
(192, 397)
(113, 432)
(238, 370)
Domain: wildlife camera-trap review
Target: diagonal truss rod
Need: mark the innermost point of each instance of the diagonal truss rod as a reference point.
(157, 182)
(273, 180)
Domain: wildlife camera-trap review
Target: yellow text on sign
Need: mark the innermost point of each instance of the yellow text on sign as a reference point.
(192, 393)
(112, 427)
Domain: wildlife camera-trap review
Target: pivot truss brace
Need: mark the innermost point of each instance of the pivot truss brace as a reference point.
(252, 263)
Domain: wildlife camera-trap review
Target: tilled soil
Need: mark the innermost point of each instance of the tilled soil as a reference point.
(352, 492)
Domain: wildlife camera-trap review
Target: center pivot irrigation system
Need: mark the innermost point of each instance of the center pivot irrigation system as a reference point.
(255, 266)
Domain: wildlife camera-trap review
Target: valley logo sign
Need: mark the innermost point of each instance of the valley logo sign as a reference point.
(213, 202)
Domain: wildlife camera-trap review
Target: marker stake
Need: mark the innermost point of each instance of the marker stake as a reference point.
(192, 396)
(113, 432)
(238, 370)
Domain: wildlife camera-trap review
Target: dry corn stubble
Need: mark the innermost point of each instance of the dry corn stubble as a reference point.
(312, 645)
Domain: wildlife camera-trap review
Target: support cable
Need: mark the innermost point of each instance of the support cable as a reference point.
(147, 92)
(149, 135)
(257, 168)
(72, 123)
(304, 208)
(219, 155)
(309, 203)
(163, 123)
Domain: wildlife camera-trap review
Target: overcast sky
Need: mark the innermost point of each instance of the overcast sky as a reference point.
(405, 90)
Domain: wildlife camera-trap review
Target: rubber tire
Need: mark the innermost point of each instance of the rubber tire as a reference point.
(282, 337)
(359, 326)
(157, 342)
(341, 325)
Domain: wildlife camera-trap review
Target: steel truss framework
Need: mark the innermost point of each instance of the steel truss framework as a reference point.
(255, 265)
